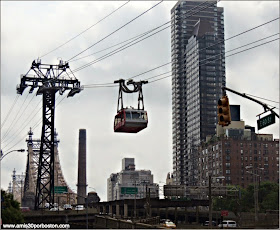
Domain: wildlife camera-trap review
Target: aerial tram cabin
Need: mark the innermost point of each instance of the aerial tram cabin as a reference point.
(130, 120)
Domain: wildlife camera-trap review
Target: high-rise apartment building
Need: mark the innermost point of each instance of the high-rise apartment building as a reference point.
(131, 183)
(198, 73)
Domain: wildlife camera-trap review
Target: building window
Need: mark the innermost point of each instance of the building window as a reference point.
(265, 158)
(227, 165)
(227, 157)
(228, 171)
(241, 151)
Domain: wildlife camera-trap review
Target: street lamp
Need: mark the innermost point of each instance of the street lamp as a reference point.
(210, 197)
(256, 199)
(93, 188)
(3, 155)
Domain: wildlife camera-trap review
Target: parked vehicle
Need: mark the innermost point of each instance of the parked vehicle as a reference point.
(167, 223)
(67, 207)
(79, 207)
(228, 224)
(206, 223)
(54, 209)
(24, 209)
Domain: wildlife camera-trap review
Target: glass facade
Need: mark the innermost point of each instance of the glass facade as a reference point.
(198, 73)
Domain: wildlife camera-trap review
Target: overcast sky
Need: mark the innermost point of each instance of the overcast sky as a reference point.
(31, 29)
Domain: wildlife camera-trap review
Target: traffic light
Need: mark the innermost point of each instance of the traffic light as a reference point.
(224, 118)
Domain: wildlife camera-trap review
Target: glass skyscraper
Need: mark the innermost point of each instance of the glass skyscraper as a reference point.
(198, 73)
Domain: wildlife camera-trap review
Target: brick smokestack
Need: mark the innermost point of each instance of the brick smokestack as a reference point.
(82, 168)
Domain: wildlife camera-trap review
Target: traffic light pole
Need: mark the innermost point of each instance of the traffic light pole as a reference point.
(265, 106)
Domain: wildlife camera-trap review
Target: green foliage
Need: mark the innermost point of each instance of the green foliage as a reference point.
(268, 199)
(10, 211)
(230, 202)
(268, 196)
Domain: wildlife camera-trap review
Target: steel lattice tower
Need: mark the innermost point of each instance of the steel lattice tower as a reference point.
(46, 78)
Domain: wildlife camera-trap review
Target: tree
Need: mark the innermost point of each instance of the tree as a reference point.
(268, 196)
(10, 210)
(268, 199)
(230, 202)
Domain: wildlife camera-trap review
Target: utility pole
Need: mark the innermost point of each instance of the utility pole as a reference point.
(47, 80)
(210, 201)
(256, 189)
(135, 200)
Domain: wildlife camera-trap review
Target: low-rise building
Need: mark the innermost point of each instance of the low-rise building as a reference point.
(131, 183)
(238, 154)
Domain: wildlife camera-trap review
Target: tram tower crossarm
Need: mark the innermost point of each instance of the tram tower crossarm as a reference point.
(49, 80)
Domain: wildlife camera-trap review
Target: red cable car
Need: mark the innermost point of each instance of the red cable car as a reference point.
(130, 120)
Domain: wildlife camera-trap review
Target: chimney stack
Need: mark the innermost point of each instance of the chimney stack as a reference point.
(82, 168)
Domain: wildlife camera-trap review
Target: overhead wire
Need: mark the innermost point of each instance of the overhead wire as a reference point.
(27, 121)
(263, 98)
(218, 42)
(98, 86)
(115, 51)
(37, 123)
(139, 35)
(12, 123)
(164, 77)
(242, 47)
(245, 50)
(246, 31)
(104, 84)
(85, 30)
(127, 46)
(21, 114)
(116, 30)
(10, 110)
(226, 56)
(150, 30)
